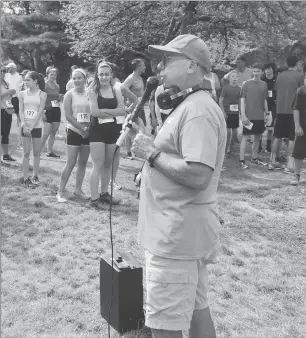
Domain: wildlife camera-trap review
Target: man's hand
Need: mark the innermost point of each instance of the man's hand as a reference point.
(299, 131)
(136, 127)
(142, 146)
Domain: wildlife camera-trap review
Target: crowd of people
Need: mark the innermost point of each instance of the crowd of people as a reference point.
(183, 151)
(260, 98)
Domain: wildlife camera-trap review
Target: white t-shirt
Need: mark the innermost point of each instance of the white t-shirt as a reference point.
(176, 221)
(14, 81)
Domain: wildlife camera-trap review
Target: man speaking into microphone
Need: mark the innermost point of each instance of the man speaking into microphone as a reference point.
(178, 216)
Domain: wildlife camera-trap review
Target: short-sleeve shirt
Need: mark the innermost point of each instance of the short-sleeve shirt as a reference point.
(271, 92)
(231, 96)
(246, 75)
(177, 221)
(286, 86)
(255, 94)
(299, 103)
(14, 81)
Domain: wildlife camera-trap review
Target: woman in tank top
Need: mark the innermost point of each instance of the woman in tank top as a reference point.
(135, 85)
(77, 112)
(52, 116)
(31, 108)
(106, 103)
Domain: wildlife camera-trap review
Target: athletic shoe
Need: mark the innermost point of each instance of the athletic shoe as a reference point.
(258, 161)
(281, 159)
(115, 186)
(52, 155)
(296, 180)
(61, 199)
(106, 198)
(97, 204)
(275, 166)
(28, 183)
(268, 151)
(8, 158)
(35, 180)
(288, 171)
(223, 168)
(243, 165)
(80, 194)
(129, 156)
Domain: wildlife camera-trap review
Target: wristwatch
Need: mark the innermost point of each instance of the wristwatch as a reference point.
(152, 157)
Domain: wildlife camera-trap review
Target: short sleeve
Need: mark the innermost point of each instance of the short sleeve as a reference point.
(243, 91)
(223, 91)
(297, 103)
(198, 141)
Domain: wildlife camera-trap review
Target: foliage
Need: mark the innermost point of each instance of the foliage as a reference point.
(229, 27)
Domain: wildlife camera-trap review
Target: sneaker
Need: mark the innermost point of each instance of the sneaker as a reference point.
(268, 151)
(52, 154)
(80, 194)
(28, 183)
(258, 161)
(115, 186)
(223, 168)
(8, 158)
(129, 156)
(243, 165)
(281, 159)
(60, 198)
(106, 198)
(288, 171)
(296, 180)
(35, 180)
(275, 166)
(97, 204)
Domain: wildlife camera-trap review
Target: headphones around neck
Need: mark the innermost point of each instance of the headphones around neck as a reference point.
(172, 97)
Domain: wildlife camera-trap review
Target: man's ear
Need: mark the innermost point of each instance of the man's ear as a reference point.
(192, 67)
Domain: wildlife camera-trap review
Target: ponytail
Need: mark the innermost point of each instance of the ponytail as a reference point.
(39, 78)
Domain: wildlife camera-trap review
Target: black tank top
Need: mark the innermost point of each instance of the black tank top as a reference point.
(107, 103)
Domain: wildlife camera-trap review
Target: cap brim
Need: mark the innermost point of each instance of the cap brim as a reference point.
(161, 50)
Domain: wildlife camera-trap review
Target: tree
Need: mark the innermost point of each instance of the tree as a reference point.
(33, 36)
(107, 28)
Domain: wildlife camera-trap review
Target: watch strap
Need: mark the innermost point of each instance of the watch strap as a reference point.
(152, 157)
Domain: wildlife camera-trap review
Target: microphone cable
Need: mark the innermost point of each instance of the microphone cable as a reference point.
(111, 241)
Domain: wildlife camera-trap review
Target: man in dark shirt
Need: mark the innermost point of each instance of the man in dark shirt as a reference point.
(286, 85)
(269, 77)
(299, 115)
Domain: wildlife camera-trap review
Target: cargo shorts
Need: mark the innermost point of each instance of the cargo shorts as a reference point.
(175, 288)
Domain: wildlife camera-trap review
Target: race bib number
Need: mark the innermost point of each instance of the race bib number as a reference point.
(9, 104)
(248, 125)
(120, 119)
(270, 94)
(83, 117)
(55, 103)
(234, 107)
(30, 114)
(102, 121)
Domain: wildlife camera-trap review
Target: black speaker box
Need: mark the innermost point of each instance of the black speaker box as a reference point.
(124, 293)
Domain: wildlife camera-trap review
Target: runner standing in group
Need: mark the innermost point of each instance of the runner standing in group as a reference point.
(229, 103)
(243, 73)
(70, 83)
(134, 83)
(52, 117)
(106, 103)
(77, 112)
(286, 86)
(32, 103)
(269, 77)
(299, 115)
(7, 110)
(254, 109)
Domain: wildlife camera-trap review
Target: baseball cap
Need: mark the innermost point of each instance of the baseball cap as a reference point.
(11, 65)
(187, 44)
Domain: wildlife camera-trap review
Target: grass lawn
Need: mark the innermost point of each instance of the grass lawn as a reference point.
(50, 253)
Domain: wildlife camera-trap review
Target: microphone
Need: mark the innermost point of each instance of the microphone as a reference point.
(151, 84)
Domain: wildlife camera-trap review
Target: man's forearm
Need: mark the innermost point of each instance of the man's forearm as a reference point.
(180, 171)
(296, 117)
